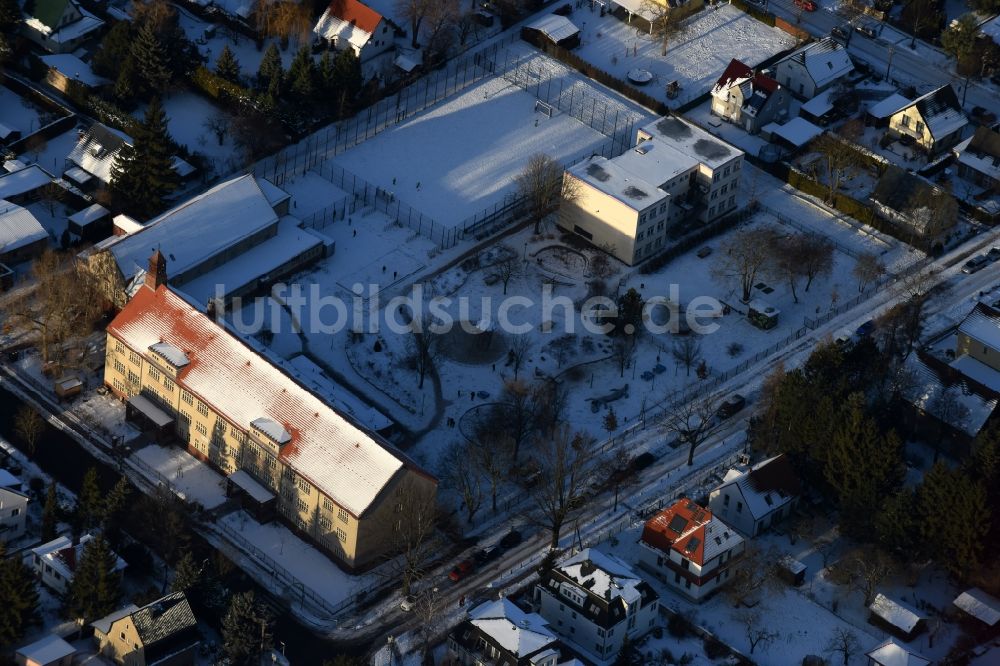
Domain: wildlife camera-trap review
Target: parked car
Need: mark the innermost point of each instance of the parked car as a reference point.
(643, 460)
(731, 406)
(461, 570)
(993, 254)
(807, 5)
(865, 329)
(869, 30)
(842, 32)
(407, 604)
(975, 264)
(488, 554)
(511, 539)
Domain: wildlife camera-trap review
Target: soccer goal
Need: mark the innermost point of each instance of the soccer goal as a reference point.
(544, 108)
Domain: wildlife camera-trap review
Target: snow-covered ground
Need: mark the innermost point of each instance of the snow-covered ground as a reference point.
(51, 155)
(187, 115)
(189, 476)
(696, 57)
(461, 156)
(17, 113)
(210, 38)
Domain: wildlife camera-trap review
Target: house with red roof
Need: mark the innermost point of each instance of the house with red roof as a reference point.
(689, 549)
(350, 24)
(749, 98)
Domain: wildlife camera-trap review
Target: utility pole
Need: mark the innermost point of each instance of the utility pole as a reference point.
(892, 51)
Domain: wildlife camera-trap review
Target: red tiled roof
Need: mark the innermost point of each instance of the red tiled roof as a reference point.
(738, 70)
(676, 526)
(355, 12)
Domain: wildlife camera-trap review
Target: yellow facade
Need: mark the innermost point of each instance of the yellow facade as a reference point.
(355, 541)
(977, 350)
(911, 123)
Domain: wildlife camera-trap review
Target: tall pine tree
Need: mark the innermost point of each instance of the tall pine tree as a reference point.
(144, 175)
(270, 71)
(18, 598)
(115, 48)
(953, 519)
(50, 514)
(227, 66)
(302, 75)
(246, 630)
(96, 587)
(88, 502)
(152, 60)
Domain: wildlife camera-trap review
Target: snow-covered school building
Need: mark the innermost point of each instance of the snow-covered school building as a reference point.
(626, 205)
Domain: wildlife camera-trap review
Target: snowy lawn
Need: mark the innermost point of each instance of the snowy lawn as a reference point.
(461, 156)
(187, 114)
(307, 564)
(51, 155)
(196, 480)
(695, 58)
(17, 113)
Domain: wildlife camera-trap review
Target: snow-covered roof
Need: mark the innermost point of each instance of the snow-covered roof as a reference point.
(104, 624)
(982, 324)
(127, 224)
(612, 178)
(88, 215)
(250, 486)
(48, 650)
(96, 149)
(198, 229)
(895, 613)
(408, 60)
(691, 142)
(978, 371)
(603, 575)
(889, 106)
(636, 7)
(18, 227)
(766, 487)
(826, 61)
(820, 104)
(941, 111)
(348, 464)
(23, 181)
(522, 634)
(981, 152)
(555, 27)
(797, 131)
(992, 29)
(87, 23)
(690, 530)
(8, 480)
(891, 653)
(272, 429)
(149, 410)
(979, 605)
(62, 555)
(73, 68)
(954, 404)
(10, 166)
(313, 376)
(348, 20)
(170, 353)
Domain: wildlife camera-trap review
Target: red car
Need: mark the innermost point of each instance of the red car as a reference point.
(461, 570)
(807, 5)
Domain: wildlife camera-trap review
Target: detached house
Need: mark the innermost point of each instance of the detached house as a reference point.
(752, 499)
(59, 26)
(55, 562)
(499, 632)
(594, 601)
(93, 157)
(164, 632)
(935, 121)
(748, 98)
(689, 549)
(13, 507)
(349, 24)
(814, 68)
(978, 158)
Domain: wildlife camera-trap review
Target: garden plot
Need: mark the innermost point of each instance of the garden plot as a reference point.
(211, 38)
(695, 57)
(461, 157)
(17, 113)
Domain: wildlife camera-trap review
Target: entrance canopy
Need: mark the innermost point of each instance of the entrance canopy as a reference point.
(249, 485)
(149, 411)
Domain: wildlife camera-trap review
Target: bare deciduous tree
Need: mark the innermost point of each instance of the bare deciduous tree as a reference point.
(755, 572)
(686, 351)
(217, 124)
(800, 256)
(414, 11)
(744, 256)
(492, 452)
(520, 347)
(693, 422)
(840, 158)
(664, 21)
(622, 351)
(868, 269)
(411, 534)
(505, 270)
(565, 460)
(424, 348)
(845, 642)
(28, 425)
(542, 186)
(865, 570)
(459, 471)
(755, 633)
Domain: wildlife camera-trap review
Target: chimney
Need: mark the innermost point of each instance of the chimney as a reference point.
(156, 273)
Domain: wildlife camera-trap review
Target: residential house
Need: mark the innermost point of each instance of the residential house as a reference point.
(978, 158)
(336, 483)
(22, 184)
(13, 507)
(891, 653)
(594, 600)
(934, 122)
(690, 549)
(90, 162)
(164, 632)
(66, 72)
(814, 68)
(676, 172)
(499, 632)
(896, 618)
(350, 24)
(55, 562)
(752, 499)
(59, 26)
(978, 344)
(234, 239)
(22, 236)
(48, 651)
(748, 98)
(979, 605)
(914, 204)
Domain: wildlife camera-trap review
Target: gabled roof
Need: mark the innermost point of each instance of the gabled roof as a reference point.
(690, 530)
(825, 61)
(555, 27)
(979, 605)
(767, 486)
(982, 324)
(891, 653)
(104, 624)
(48, 650)
(737, 73)
(519, 633)
(895, 613)
(164, 618)
(96, 149)
(346, 463)
(981, 152)
(49, 12)
(18, 227)
(941, 111)
(348, 20)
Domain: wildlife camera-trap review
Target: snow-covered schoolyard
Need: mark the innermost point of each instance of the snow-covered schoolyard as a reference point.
(696, 57)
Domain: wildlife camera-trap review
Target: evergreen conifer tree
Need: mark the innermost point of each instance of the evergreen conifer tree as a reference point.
(348, 74)
(96, 586)
(152, 60)
(18, 598)
(127, 81)
(115, 48)
(88, 502)
(50, 514)
(953, 519)
(10, 15)
(227, 66)
(144, 175)
(245, 630)
(187, 575)
(270, 70)
(302, 75)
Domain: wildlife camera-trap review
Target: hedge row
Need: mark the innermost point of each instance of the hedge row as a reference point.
(597, 74)
(759, 14)
(219, 88)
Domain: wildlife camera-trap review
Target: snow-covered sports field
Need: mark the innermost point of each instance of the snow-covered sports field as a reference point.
(462, 156)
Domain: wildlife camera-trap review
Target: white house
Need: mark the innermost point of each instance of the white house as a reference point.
(752, 499)
(675, 172)
(349, 24)
(13, 507)
(500, 632)
(814, 68)
(593, 601)
(55, 562)
(59, 26)
(689, 549)
(748, 98)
